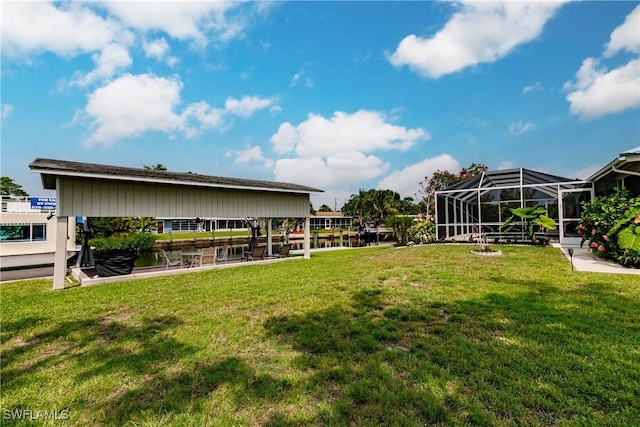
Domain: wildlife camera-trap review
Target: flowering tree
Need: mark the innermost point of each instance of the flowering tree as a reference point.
(443, 179)
(611, 226)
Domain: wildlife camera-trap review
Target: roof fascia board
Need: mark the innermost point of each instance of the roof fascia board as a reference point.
(164, 181)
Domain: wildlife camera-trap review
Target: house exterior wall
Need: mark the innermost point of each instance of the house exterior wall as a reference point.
(95, 197)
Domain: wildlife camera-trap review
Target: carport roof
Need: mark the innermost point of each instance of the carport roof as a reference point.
(50, 169)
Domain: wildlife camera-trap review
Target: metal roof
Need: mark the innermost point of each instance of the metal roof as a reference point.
(50, 168)
(626, 164)
(507, 178)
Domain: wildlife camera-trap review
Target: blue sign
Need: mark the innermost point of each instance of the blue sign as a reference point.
(43, 203)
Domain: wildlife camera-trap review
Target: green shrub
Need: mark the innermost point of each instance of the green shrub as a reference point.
(423, 232)
(611, 225)
(139, 242)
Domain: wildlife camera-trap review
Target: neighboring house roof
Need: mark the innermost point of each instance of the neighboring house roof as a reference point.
(50, 168)
(330, 215)
(627, 163)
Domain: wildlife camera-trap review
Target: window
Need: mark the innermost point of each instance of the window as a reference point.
(23, 232)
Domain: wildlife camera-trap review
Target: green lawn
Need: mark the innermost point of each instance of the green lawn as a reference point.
(412, 336)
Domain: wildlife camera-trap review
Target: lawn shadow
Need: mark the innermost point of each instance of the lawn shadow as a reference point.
(500, 358)
(142, 371)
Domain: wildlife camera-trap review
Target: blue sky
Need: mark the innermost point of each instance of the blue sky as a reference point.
(334, 95)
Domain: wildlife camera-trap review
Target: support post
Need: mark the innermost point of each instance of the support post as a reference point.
(60, 258)
(269, 237)
(307, 238)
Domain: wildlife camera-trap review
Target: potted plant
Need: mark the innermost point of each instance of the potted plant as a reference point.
(484, 248)
(115, 255)
(532, 216)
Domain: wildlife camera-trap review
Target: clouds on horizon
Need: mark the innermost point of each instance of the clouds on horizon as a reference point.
(338, 149)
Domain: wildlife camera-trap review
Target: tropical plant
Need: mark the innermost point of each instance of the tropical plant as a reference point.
(611, 225)
(156, 167)
(532, 216)
(377, 204)
(400, 225)
(423, 232)
(325, 208)
(144, 224)
(108, 226)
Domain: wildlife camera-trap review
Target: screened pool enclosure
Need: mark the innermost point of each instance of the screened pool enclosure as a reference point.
(481, 204)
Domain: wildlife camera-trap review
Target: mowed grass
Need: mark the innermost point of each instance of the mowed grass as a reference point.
(377, 336)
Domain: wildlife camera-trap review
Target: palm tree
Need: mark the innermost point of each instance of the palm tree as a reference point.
(156, 167)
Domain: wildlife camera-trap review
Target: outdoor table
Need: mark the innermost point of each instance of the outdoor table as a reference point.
(191, 259)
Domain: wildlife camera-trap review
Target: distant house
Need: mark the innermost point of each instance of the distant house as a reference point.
(330, 220)
(177, 225)
(623, 171)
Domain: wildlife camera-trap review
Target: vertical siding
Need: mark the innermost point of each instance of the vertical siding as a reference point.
(88, 197)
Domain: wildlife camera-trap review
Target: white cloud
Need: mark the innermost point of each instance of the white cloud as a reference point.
(406, 182)
(518, 128)
(598, 92)
(6, 110)
(180, 20)
(334, 153)
(253, 155)
(203, 115)
(285, 139)
(110, 61)
(626, 36)
(507, 164)
(34, 27)
(134, 104)
(156, 49)
(247, 105)
(363, 131)
(298, 78)
(480, 32)
(535, 87)
(339, 170)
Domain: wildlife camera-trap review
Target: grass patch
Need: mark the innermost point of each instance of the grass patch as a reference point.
(411, 336)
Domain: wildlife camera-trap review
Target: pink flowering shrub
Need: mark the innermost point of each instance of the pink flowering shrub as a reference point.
(611, 225)
(443, 179)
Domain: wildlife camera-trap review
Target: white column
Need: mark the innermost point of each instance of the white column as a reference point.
(60, 259)
(269, 237)
(307, 238)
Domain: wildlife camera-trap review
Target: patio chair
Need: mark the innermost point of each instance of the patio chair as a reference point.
(170, 262)
(222, 254)
(207, 257)
(283, 252)
(257, 253)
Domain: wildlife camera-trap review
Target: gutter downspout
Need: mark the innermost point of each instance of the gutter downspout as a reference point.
(614, 169)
